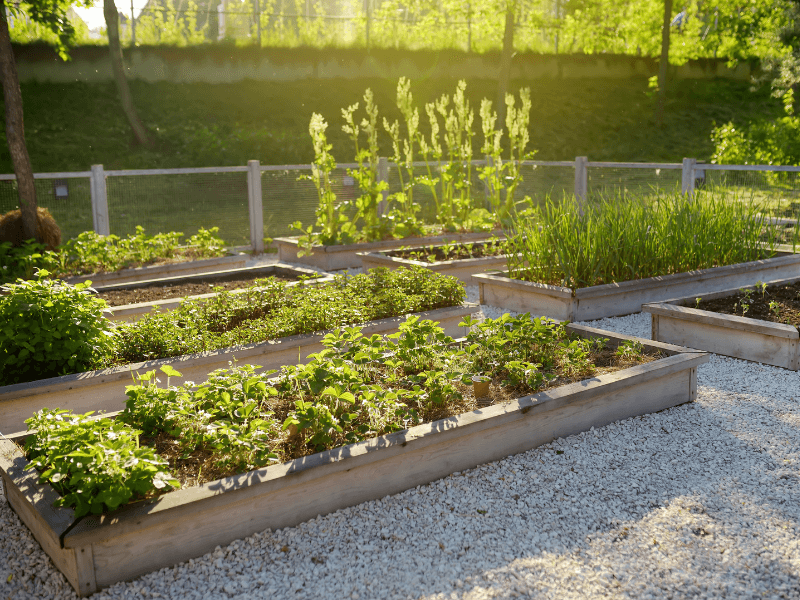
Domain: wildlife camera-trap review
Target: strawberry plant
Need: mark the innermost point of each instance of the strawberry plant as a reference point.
(356, 388)
(96, 465)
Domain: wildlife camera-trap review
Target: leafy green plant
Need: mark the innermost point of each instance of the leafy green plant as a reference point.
(775, 308)
(51, 328)
(357, 387)
(335, 226)
(502, 177)
(273, 310)
(95, 464)
(374, 225)
(630, 349)
(23, 261)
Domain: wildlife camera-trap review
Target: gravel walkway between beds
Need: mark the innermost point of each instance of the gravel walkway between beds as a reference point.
(699, 501)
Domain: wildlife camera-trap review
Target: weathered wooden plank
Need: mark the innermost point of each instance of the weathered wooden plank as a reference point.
(139, 273)
(463, 269)
(692, 300)
(133, 312)
(332, 258)
(105, 389)
(537, 304)
(694, 315)
(33, 503)
(735, 339)
(627, 297)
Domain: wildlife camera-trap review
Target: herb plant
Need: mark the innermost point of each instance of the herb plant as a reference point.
(51, 328)
(273, 310)
(627, 237)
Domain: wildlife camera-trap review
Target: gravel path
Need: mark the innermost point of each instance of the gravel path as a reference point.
(699, 501)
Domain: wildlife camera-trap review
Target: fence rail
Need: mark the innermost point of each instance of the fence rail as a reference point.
(246, 202)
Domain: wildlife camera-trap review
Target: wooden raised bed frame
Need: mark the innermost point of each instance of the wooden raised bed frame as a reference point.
(169, 270)
(102, 550)
(676, 322)
(627, 297)
(133, 312)
(462, 268)
(104, 389)
(345, 256)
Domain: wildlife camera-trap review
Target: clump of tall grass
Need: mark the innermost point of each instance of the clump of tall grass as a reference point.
(619, 238)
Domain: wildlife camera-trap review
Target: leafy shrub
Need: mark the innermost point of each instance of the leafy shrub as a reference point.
(95, 464)
(50, 328)
(23, 261)
(761, 142)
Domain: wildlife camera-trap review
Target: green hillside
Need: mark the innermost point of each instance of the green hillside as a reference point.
(72, 126)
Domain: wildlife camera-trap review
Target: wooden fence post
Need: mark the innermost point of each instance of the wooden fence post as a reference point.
(687, 176)
(581, 177)
(255, 204)
(99, 200)
(383, 175)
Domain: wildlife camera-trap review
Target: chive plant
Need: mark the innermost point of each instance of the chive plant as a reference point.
(623, 237)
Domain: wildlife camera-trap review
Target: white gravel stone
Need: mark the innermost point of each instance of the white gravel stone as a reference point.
(698, 501)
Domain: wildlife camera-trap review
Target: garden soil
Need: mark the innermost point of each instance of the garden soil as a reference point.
(165, 292)
(785, 306)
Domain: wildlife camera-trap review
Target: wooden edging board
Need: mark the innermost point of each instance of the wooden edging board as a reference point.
(627, 297)
(102, 550)
(463, 269)
(676, 322)
(132, 312)
(345, 256)
(160, 271)
(105, 388)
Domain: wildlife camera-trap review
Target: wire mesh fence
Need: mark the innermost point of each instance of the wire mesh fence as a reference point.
(778, 192)
(187, 199)
(638, 181)
(180, 202)
(69, 200)
(289, 195)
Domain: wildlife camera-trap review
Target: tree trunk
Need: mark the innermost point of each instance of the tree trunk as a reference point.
(114, 47)
(15, 130)
(663, 65)
(505, 62)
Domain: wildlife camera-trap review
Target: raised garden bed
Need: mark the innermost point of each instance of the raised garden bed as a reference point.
(234, 261)
(626, 297)
(469, 259)
(770, 335)
(101, 550)
(105, 388)
(167, 293)
(346, 256)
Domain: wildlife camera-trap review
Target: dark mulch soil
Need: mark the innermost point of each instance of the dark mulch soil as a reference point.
(164, 292)
(432, 254)
(785, 306)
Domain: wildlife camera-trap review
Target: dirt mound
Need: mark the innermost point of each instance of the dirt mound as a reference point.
(47, 230)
